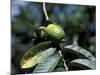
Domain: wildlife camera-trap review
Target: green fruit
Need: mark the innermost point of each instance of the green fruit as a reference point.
(54, 31)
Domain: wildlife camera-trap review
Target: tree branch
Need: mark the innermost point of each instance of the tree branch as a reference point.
(45, 12)
(66, 68)
(75, 39)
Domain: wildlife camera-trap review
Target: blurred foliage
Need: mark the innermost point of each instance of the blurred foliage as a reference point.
(26, 17)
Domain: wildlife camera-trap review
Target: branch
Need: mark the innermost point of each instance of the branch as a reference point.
(66, 68)
(45, 12)
(75, 39)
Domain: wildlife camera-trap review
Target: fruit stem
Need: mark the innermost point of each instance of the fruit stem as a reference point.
(45, 12)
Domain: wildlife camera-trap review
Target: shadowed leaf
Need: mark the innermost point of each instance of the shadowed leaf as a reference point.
(59, 69)
(83, 63)
(80, 51)
(48, 65)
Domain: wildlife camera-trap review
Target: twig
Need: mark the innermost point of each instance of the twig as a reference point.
(45, 12)
(66, 68)
(75, 39)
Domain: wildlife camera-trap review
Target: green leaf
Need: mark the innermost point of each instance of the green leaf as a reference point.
(39, 57)
(28, 60)
(48, 65)
(83, 63)
(79, 51)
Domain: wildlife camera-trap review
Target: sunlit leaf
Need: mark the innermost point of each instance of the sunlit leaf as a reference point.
(39, 57)
(83, 63)
(48, 65)
(80, 51)
(36, 53)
